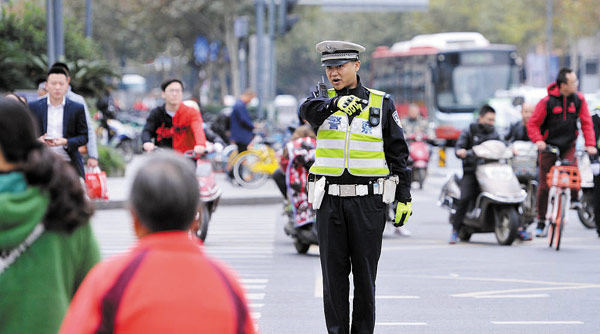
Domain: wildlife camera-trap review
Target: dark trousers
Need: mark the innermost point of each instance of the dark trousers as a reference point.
(350, 233)
(279, 178)
(545, 161)
(597, 202)
(469, 189)
(241, 148)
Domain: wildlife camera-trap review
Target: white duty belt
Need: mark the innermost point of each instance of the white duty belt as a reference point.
(349, 190)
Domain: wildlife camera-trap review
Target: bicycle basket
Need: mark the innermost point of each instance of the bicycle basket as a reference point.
(564, 177)
(524, 166)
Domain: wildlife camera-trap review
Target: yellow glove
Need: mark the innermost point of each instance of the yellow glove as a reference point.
(403, 211)
(349, 104)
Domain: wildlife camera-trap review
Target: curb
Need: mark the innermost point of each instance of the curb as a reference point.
(122, 204)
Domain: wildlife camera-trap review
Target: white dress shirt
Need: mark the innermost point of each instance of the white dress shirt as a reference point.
(54, 127)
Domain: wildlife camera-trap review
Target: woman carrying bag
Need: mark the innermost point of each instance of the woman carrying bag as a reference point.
(46, 243)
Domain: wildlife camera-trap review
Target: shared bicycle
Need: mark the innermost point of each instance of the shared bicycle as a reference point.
(561, 179)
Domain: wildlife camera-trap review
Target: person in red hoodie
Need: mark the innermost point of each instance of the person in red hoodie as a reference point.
(554, 122)
(166, 283)
(174, 125)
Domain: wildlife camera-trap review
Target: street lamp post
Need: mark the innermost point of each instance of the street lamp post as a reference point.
(50, 31)
(260, 22)
(55, 33)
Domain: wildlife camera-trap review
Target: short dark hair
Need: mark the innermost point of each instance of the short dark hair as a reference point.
(561, 77)
(57, 70)
(63, 66)
(486, 108)
(164, 85)
(165, 194)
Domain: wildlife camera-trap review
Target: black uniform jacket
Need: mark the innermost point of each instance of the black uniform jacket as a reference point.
(317, 109)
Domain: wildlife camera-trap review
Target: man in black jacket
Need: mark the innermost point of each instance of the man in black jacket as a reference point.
(475, 134)
(518, 130)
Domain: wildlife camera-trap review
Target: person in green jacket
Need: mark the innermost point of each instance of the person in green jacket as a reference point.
(46, 242)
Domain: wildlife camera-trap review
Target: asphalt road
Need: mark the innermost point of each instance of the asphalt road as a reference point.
(424, 285)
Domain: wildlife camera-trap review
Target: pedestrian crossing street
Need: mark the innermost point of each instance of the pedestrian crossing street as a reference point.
(240, 236)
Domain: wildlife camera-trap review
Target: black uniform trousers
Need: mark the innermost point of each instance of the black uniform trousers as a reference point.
(596, 202)
(469, 189)
(350, 233)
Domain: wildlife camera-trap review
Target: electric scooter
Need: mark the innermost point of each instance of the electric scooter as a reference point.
(497, 208)
(210, 192)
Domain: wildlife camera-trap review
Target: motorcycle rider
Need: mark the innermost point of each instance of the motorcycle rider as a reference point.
(413, 123)
(174, 125)
(518, 130)
(475, 134)
(554, 122)
(107, 108)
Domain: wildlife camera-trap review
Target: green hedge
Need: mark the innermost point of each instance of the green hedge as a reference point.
(110, 161)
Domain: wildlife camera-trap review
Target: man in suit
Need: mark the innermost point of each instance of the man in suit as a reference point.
(91, 147)
(61, 122)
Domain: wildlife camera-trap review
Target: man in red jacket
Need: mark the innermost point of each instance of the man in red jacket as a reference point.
(554, 122)
(165, 284)
(174, 125)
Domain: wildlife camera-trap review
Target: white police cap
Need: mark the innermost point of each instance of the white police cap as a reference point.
(335, 53)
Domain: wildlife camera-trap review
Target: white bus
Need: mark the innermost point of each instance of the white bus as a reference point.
(449, 75)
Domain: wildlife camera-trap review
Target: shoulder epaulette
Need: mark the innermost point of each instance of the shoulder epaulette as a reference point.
(375, 91)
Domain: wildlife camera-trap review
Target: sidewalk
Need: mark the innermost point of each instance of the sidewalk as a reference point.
(119, 187)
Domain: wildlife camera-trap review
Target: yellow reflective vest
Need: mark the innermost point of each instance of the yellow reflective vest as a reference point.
(356, 146)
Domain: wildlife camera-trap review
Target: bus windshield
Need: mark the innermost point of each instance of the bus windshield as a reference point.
(467, 87)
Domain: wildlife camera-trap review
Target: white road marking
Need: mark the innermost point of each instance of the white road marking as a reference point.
(255, 296)
(255, 315)
(319, 290)
(537, 322)
(255, 305)
(255, 286)
(400, 324)
(254, 281)
(240, 256)
(557, 285)
(497, 292)
(318, 285)
(394, 297)
(539, 295)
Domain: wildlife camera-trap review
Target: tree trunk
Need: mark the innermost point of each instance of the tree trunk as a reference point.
(223, 78)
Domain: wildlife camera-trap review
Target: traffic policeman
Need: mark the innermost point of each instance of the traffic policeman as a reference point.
(360, 162)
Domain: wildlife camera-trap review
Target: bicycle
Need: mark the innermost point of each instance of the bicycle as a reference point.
(561, 179)
(253, 167)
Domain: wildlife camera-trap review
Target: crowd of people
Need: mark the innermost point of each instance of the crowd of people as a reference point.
(48, 249)
(51, 277)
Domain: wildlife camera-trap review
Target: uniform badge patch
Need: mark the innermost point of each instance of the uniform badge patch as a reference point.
(334, 122)
(366, 128)
(396, 118)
